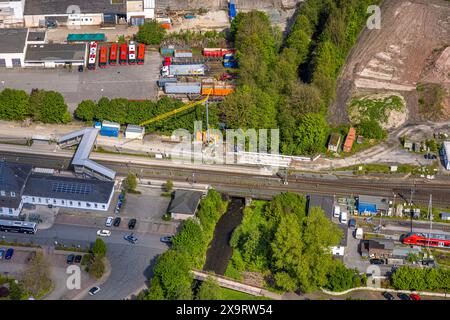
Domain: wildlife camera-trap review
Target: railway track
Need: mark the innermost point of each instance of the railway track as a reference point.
(244, 183)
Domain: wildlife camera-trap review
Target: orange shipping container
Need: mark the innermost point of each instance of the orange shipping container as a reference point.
(165, 25)
(349, 140)
(217, 90)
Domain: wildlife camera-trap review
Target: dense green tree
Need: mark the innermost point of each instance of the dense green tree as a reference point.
(130, 182)
(86, 110)
(285, 204)
(49, 107)
(14, 104)
(190, 241)
(99, 248)
(340, 278)
(209, 290)
(155, 292)
(311, 134)
(151, 32)
(97, 267)
(371, 129)
(172, 272)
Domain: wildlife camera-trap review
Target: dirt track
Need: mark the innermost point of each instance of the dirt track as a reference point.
(395, 57)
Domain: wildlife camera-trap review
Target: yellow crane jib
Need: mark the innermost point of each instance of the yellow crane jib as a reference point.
(171, 113)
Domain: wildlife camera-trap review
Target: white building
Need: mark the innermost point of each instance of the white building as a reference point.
(11, 13)
(12, 47)
(139, 10)
(446, 154)
(134, 132)
(19, 185)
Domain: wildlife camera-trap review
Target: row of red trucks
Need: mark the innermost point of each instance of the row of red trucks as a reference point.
(122, 54)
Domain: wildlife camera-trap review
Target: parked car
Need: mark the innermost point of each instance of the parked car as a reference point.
(78, 258)
(117, 221)
(109, 221)
(388, 296)
(70, 258)
(166, 239)
(103, 233)
(403, 296)
(130, 238)
(9, 254)
(80, 68)
(132, 224)
(2, 253)
(376, 261)
(94, 290)
(414, 296)
(352, 223)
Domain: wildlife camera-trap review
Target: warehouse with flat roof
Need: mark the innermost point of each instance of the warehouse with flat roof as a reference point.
(12, 47)
(55, 55)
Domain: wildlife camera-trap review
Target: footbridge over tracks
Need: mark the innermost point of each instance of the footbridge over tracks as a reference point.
(85, 139)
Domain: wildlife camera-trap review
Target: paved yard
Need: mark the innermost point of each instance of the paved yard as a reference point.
(132, 82)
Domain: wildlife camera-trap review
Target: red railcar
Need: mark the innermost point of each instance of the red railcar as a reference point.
(123, 59)
(140, 53)
(426, 239)
(113, 53)
(103, 57)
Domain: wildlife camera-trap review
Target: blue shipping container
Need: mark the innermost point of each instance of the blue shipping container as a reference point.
(109, 132)
(367, 207)
(232, 10)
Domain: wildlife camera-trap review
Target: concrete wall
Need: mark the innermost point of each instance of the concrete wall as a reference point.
(221, 4)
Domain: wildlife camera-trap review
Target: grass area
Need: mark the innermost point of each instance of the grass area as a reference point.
(384, 168)
(71, 249)
(442, 257)
(378, 109)
(229, 294)
(19, 244)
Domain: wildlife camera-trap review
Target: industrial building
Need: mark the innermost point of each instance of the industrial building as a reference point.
(184, 204)
(12, 47)
(372, 204)
(377, 248)
(11, 13)
(20, 184)
(445, 151)
(326, 203)
(55, 55)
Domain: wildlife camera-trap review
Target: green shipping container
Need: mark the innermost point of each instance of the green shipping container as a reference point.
(86, 37)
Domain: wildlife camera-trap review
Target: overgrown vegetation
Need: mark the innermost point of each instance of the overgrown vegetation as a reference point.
(94, 261)
(290, 248)
(374, 109)
(40, 105)
(196, 39)
(270, 93)
(35, 279)
(172, 278)
(431, 98)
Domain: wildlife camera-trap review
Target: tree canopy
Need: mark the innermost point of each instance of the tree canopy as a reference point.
(151, 32)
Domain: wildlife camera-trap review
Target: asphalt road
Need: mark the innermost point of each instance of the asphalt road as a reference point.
(131, 264)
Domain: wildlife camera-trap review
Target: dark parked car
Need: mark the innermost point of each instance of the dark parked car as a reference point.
(388, 296)
(9, 253)
(166, 239)
(132, 224)
(80, 68)
(78, 258)
(403, 296)
(352, 223)
(70, 258)
(94, 290)
(130, 238)
(117, 221)
(376, 261)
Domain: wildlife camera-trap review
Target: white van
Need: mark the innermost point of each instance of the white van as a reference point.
(359, 234)
(343, 217)
(337, 211)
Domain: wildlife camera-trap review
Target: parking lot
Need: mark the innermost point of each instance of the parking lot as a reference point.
(128, 81)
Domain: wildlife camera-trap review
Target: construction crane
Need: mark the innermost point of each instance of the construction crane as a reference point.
(173, 112)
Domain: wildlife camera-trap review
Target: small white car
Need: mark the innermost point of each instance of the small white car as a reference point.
(103, 233)
(109, 221)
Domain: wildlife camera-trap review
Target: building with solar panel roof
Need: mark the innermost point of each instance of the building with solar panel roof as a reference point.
(21, 184)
